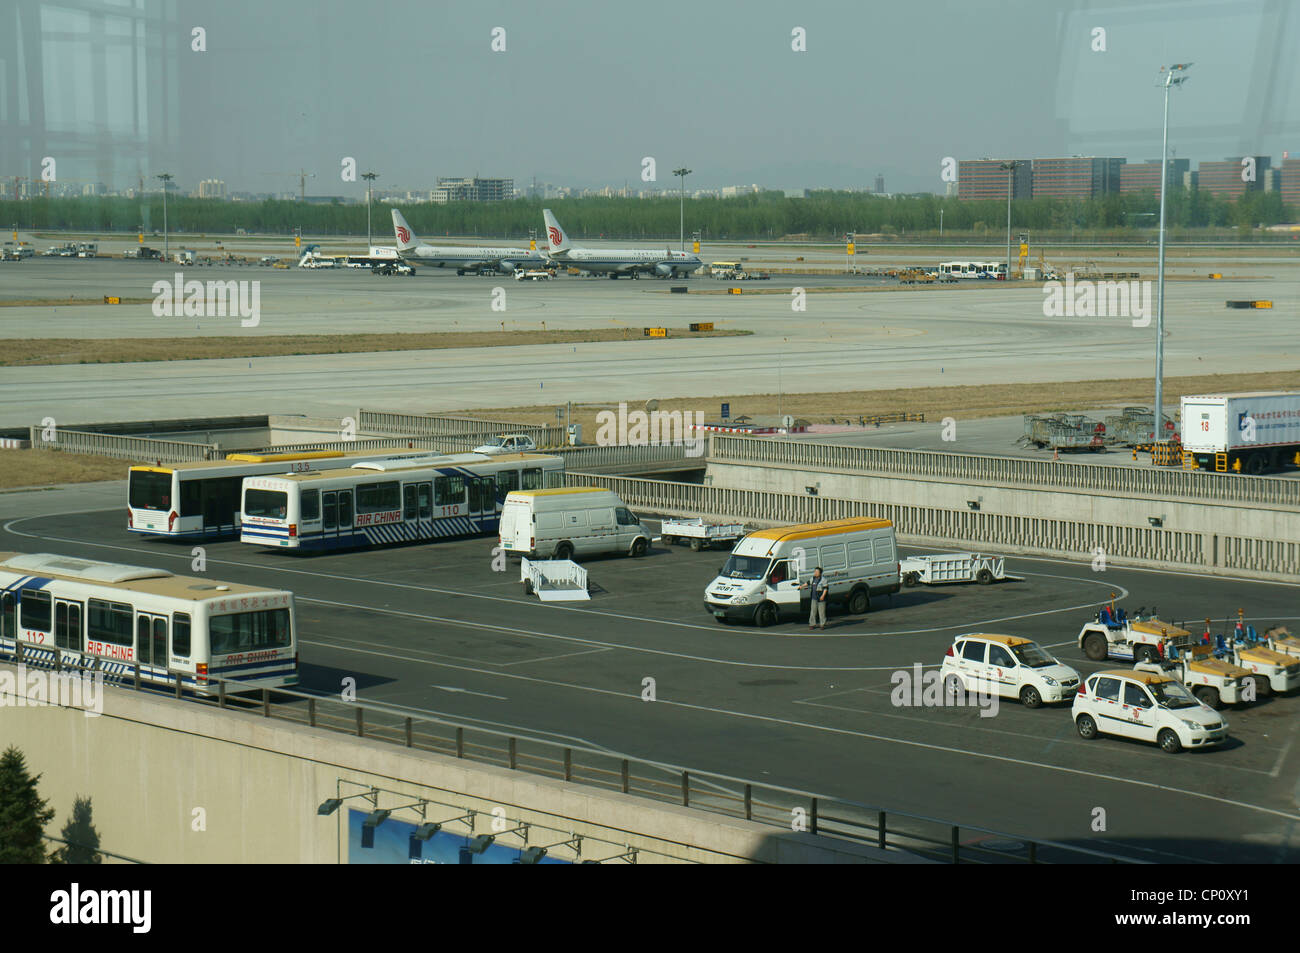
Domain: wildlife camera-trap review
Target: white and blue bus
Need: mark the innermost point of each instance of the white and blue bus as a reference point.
(108, 617)
(382, 502)
(201, 499)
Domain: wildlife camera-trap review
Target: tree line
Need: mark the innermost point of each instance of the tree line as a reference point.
(820, 216)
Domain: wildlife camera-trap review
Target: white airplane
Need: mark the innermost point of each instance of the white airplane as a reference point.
(615, 261)
(461, 257)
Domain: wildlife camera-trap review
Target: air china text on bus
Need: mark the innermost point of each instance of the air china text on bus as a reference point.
(108, 617)
(372, 504)
(202, 498)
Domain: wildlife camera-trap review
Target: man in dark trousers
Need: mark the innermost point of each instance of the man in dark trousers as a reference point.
(817, 587)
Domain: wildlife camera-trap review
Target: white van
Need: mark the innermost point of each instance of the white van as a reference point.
(760, 581)
(570, 522)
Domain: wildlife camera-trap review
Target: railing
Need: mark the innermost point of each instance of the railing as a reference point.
(780, 807)
(1055, 537)
(445, 443)
(118, 445)
(614, 456)
(378, 421)
(1009, 471)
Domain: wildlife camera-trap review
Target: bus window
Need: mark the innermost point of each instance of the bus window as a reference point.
(34, 610)
(554, 478)
(248, 631)
(448, 491)
(67, 625)
(181, 634)
(378, 497)
(142, 644)
(425, 497)
(345, 509)
(310, 503)
(160, 642)
(7, 624)
(191, 498)
(507, 480)
(109, 622)
(532, 478)
(150, 490)
(331, 510)
(409, 508)
(268, 504)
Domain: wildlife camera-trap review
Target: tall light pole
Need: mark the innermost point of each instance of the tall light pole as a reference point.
(682, 173)
(370, 183)
(1011, 171)
(1174, 76)
(166, 181)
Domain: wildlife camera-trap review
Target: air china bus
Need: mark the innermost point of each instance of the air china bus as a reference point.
(202, 498)
(974, 269)
(373, 504)
(108, 617)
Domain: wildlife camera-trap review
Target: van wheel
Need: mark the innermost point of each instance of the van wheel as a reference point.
(1087, 727)
(765, 615)
(639, 547)
(1168, 741)
(859, 602)
(1030, 698)
(1094, 646)
(564, 551)
(1208, 695)
(984, 577)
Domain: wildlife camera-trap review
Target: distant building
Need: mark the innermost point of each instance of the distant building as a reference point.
(1290, 181)
(211, 189)
(1145, 176)
(1224, 179)
(982, 179)
(1078, 177)
(880, 185)
(94, 188)
(473, 190)
(733, 191)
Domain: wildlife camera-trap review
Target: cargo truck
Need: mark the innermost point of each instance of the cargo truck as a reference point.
(1242, 433)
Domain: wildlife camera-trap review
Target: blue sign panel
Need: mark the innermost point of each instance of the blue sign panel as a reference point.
(726, 411)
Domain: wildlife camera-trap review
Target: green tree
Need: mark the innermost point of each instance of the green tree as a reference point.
(23, 812)
(81, 840)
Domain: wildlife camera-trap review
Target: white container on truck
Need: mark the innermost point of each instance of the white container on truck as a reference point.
(760, 581)
(569, 522)
(1246, 433)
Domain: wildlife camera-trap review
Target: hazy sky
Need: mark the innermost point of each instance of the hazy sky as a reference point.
(584, 90)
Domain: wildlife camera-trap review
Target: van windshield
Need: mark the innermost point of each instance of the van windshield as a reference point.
(745, 567)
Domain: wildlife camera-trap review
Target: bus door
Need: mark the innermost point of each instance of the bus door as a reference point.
(345, 513)
(8, 617)
(329, 512)
(67, 626)
(220, 502)
(151, 641)
(483, 501)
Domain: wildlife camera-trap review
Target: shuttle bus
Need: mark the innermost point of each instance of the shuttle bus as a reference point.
(974, 269)
(381, 502)
(107, 617)
(202, 498)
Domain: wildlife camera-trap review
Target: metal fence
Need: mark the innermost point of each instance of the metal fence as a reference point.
(780, 807)
(379, 421)
(118, 445)
(1009, 471)
(1054, 537)
(618, 456)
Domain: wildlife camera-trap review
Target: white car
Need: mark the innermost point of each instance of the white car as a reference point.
(1148, 706)
(1007, 665)
(508, 443)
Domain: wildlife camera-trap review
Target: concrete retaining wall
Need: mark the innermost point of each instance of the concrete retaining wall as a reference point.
(149, 763)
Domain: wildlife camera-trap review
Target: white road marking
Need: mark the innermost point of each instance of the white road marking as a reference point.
(467, 691)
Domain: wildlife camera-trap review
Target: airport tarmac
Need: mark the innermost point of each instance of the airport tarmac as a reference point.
(433, 628)
(863, 340)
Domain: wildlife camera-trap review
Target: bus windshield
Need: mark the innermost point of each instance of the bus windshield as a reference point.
(745, 567)
(267, 504)
(248, 631)
(150, 490)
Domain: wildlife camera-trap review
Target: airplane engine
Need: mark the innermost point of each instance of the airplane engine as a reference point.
(664, 270)
(508, 267)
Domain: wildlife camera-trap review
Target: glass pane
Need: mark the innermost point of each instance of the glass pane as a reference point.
(426, 500)
(345, 509)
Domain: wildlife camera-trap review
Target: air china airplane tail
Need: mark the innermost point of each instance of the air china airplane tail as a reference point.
(557, 242)
(405, 237)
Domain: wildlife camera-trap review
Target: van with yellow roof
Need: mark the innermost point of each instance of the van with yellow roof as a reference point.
(760, 581)
(568, 522)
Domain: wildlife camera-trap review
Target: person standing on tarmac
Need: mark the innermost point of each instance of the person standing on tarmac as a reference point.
(818, 588)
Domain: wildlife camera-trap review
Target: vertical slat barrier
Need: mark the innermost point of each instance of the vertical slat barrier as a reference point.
(686, 789)
(409, 731)
(361, 723)
(749, 802)
(510, 748)
(881, 839)
(624, 774)
(568, 764)
(460, 742)
(956, 846)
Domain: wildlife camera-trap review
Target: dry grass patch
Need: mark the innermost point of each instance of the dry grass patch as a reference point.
(25, 468)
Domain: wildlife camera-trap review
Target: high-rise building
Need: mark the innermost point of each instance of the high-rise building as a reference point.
(473, 190)
(1078, 177)
(880, 185)
(1290, 184)
(1225, 179)
(1145, 176)
(983, 179)
(211, 189)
